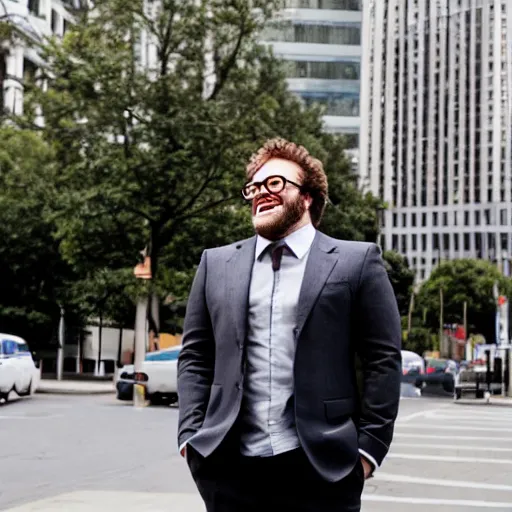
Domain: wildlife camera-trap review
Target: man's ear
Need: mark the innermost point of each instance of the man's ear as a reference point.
(308, 200)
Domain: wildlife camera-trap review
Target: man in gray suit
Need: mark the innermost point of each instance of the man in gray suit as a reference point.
(271, 414)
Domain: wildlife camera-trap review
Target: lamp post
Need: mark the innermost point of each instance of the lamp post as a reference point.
(141, 271)
(380, 210)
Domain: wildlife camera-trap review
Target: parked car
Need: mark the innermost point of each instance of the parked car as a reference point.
(441, 372)
(18, 372)
(413, 368)
(161, 370)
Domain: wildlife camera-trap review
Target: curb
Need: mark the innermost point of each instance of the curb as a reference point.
(77, 392)
(482, 402)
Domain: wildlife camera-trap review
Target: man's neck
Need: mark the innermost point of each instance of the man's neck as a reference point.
(303, 222)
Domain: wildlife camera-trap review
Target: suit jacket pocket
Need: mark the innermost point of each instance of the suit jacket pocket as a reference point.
(338, 409)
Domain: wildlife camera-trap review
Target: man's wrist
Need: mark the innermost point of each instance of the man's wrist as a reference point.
(369, 463)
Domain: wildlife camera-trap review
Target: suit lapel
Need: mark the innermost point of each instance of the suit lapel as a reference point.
(238, 271)
(321, 261)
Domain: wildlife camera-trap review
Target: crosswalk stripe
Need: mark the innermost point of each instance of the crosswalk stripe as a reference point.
(451, 447)
(399, 435)
(406, 479)
(443, 458)
(430, 501)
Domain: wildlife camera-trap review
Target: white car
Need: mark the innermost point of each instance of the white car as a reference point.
(18, 372)
(161, 367)
(413, 368)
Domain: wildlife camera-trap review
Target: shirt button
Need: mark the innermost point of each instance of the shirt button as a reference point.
(272, 422)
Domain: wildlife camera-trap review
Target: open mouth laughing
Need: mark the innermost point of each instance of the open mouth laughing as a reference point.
(267, 206)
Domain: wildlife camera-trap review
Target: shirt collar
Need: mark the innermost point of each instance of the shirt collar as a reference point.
(299, 241)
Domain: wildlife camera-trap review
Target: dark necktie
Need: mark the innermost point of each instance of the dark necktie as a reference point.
(276, 252)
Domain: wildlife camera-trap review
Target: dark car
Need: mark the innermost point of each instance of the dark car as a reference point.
(441, 373)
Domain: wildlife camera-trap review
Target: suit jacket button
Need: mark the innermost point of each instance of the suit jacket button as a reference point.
(238, 386)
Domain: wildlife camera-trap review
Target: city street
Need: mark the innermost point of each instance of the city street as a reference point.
(71, 453)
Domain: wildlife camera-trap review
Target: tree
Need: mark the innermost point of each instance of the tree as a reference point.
(418, 340)
(151, 152)
(464, 280)
(33, 272)
(401, 277)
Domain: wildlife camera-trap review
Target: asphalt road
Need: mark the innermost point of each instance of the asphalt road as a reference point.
(94, 453)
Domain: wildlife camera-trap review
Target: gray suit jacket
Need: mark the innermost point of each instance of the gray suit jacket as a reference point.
(347, 308)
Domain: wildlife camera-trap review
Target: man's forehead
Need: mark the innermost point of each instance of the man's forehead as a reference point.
(285, 168)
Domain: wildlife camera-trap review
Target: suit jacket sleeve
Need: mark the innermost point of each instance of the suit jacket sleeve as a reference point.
(196, 360)
(378, 347)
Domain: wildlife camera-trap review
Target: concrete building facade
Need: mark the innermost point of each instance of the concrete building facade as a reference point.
(320, 42)
(19, 60)
(436, 119)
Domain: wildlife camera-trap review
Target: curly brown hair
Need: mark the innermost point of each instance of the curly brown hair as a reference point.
(314, 178)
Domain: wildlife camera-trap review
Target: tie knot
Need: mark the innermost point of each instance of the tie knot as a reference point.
(276, 251)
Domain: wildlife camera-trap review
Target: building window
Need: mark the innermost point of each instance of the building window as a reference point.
(335, 104)
(318, 33)
(33, 7)
(435, 242)
(446, 242)
(343, 5)
(339, 70)
(55, 21)
(467, 245)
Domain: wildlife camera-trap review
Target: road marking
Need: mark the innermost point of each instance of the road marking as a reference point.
(443, 458)
(452, 447)
(448, 414)
(435, 423)
(428, 501)
(32, 417)
(418, 414)
(449, 427)
(406, 479)
(451, 438)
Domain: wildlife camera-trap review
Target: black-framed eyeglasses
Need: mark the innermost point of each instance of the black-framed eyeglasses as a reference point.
(274, 185)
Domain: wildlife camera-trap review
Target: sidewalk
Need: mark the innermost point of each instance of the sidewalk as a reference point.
(102, 501)
(75, 387)
(493, 400)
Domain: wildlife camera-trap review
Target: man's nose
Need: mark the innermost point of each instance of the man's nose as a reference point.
(262, 191)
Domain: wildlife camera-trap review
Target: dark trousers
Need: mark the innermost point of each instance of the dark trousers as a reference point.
(287, 482)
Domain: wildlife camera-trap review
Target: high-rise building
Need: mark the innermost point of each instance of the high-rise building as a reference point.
(19, 60)
(436, 124)
(320, 42)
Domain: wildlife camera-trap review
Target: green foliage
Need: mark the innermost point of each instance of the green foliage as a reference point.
(418, 340)
(463, 280)
(33, 272)
(401, 277)
(151, 154)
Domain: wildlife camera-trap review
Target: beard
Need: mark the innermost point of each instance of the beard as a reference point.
(277, 225)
